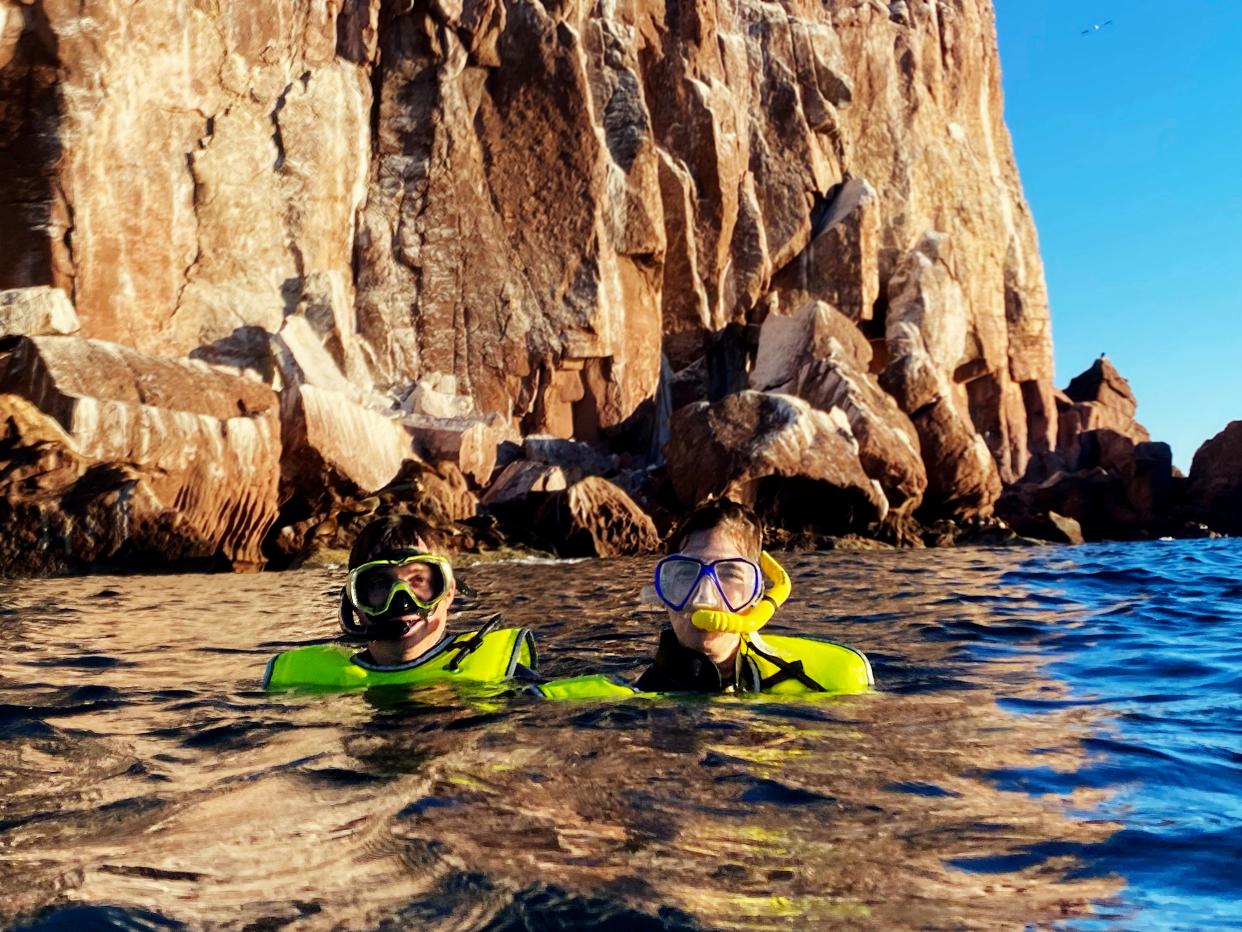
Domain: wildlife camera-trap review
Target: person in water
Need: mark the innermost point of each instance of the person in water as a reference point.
(397, 598)
(713, 586)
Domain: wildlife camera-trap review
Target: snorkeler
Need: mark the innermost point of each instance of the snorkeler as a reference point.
(713, 587)
(396, 598)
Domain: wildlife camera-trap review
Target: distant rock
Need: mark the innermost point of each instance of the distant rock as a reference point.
(1097, 399)
(1215, 489)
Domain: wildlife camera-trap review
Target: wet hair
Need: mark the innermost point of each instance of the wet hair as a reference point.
(735, 519)
(389, 535)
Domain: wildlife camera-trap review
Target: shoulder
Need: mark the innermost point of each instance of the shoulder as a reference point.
(837, 667)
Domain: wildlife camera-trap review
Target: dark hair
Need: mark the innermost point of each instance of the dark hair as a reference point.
(734, 518)
(390, 534)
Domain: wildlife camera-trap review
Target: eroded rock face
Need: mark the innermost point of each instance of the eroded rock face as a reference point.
(820, 356)
(797, 466)
(594, 518)
(538, 200)
(133, 457)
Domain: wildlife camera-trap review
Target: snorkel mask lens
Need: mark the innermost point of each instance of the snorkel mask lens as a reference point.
(382, 592)
(737, 581)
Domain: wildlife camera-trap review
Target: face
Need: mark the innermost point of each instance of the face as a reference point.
(422, 631)
(708, 546)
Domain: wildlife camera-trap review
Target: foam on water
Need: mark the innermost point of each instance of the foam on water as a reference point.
(1057, 740)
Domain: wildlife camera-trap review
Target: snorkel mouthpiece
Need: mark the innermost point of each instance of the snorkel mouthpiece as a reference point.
(757, 615)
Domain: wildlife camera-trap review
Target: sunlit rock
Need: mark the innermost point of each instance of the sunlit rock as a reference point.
(798, 466)
(133, 457)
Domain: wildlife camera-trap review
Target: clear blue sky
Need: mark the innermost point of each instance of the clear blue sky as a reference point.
(1129, 143)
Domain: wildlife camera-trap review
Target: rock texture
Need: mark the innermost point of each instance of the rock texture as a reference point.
(110, 455)
(566, 219)
(820, 356)
(796, 465)
(36, 312)
(594, 518)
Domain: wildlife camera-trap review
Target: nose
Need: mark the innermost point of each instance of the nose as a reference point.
(705, 595)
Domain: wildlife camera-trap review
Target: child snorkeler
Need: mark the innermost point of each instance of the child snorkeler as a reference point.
(396, 598)
(712, 584)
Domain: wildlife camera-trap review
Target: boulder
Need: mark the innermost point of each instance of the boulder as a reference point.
(796, 465)
(39, 311)
(822, 357)
(335, 449)
(962, 477)
(521, 479)
(112, 455)
(435, 395)
(1215, 489)
(469, 443)
(577, 459)
(594, 518)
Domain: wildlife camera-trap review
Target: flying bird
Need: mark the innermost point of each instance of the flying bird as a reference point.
(1097, 27)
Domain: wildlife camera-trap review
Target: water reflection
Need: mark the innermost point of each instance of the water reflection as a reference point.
(142, 770)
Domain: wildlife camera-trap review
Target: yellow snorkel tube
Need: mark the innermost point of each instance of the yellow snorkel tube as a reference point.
(757, 615)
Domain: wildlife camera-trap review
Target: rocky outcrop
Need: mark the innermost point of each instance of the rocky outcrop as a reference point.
(594, 518)
(112, 456)
(538, 201)
(1113, 480)
(819, 355)
(1097, 399)
(797, 466)
(1215, 491)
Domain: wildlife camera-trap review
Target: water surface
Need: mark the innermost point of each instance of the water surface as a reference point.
(1056, 742)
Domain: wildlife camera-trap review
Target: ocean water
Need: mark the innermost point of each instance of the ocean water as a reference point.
(1056, 742)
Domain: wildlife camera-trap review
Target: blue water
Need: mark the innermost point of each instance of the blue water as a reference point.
(1152, 633)
(1056, 742)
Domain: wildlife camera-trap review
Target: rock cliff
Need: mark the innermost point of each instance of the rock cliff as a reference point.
(572, 212)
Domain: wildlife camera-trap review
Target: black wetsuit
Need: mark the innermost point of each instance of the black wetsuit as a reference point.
(680, 669)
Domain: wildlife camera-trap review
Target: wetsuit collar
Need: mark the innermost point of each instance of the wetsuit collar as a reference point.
(694, 671)
(364, 659)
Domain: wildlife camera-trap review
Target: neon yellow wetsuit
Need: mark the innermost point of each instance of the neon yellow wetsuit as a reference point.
(777, 664)
(464, 658)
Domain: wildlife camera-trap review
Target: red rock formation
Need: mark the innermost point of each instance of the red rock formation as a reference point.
(819, 355)
(1097, 399)
(797, 466)
(594, 518)
(1216, 481)
(538, 200)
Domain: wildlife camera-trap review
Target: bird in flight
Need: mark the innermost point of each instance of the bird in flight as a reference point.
(1097, 27)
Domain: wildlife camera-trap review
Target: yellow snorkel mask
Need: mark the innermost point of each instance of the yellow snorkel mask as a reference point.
(383, 598)
(759, 614)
